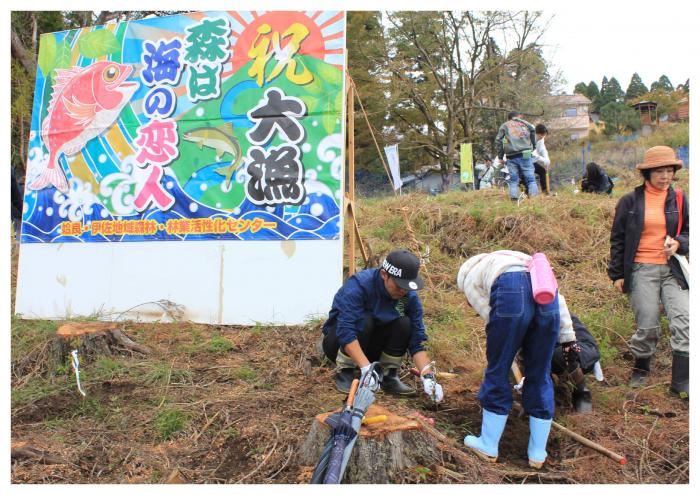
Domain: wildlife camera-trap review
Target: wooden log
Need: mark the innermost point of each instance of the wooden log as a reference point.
(382, 449)
(92, 339)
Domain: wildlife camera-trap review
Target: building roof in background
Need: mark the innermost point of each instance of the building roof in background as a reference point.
(639, 104)
(575, 99)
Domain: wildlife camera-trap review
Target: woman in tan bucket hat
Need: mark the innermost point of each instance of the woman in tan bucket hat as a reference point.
(645, 236)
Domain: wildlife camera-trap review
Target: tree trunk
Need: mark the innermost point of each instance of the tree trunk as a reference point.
(382, 450)
(21, 53)
(92, 340)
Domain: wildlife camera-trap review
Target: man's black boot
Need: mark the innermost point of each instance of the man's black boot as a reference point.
(343, 379)
(392, 384)
(345, 373)
(680, 378)
(390, 381)
(640, 372)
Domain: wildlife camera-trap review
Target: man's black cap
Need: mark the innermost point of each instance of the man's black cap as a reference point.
(402, 266)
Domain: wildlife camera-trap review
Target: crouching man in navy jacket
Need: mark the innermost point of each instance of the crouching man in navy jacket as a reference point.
(377, 316)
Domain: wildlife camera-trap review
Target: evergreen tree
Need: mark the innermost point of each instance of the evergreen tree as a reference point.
(593, 94)
(636, 88)
(604, 96)
(581, 88)
(592, 91)
(663, 84)
(619, 118)
(616, 93)
(366, 45)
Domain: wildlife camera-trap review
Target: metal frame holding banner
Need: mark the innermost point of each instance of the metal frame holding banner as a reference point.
(207, 126)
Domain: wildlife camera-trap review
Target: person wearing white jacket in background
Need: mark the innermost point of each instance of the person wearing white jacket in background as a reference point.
(540, 157)
(497, 285)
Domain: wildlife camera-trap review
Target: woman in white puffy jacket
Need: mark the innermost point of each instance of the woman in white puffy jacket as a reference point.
(497, 285)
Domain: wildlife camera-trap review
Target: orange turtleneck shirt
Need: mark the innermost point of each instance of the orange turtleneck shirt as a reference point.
(651, 243)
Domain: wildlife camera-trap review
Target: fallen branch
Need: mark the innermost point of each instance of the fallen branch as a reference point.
(207, 425)
(22, 450)
(272, 450)
(579, 438)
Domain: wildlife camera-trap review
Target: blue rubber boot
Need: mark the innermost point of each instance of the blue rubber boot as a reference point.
(486, 445)
(537, 446)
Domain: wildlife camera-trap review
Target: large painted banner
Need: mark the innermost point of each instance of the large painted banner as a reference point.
(207, 125)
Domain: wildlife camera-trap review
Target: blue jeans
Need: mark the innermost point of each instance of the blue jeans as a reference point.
(524, 167)
(516, 321)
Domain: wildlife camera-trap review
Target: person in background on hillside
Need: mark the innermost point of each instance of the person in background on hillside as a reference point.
(644, 239)
(16, 204)
(516, 139)
(377, 316)
(540, 157)
(595, 180)
(497, 285)
(486, 171)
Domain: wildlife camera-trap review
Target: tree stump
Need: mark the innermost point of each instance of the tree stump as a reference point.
(382, 449)
(92, 339)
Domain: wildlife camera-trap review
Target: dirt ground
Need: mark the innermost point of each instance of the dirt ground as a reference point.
(249, 402)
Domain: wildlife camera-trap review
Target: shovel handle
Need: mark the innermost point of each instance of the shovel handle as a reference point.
(352, 392)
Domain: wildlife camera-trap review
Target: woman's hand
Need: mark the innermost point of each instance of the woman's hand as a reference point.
(619, 283)
(670, 246)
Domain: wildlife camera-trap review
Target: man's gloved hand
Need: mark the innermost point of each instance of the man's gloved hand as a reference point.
(369, 377)
(431, 387)
(571, 352)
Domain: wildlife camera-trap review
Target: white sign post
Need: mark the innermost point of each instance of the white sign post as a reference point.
(392, 156)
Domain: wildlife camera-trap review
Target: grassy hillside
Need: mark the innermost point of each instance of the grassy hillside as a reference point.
(223, 404)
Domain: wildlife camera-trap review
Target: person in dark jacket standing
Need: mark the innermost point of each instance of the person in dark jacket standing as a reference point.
(377, 316)
(595, 180)
(645, 236)
(516, 139)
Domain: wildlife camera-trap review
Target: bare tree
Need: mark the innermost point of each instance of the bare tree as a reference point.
(448, 73)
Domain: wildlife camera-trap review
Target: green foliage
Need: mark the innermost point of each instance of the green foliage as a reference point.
(610, 92)
(90, 407)
(366, 48)
(636, 88)
(666, 102)
(33, 391)
(592, 92)
(164, 374)
(393, 224)
(170, 421)
(581, 88)
(662, 85)
(106, 368)
(246, 373)
(219, 343)
(619, 118)
(422, 472)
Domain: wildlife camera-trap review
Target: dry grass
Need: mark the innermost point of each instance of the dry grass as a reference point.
(231, 404)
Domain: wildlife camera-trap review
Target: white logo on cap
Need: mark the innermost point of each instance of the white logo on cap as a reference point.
(413, 285)
(391, 269)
